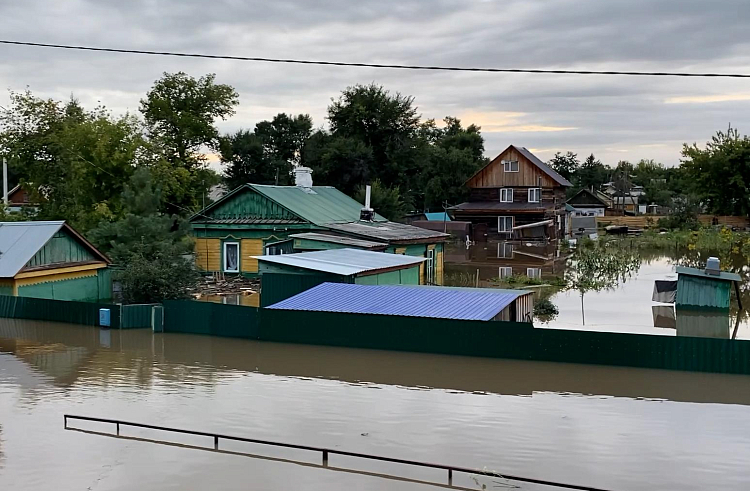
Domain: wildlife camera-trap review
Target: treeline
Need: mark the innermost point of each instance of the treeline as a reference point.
(713, 179)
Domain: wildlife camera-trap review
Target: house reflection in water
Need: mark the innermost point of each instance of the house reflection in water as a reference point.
(502, 259)
(697, 323)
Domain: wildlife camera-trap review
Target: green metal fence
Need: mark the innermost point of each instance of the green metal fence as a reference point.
(43, 309)
(280, 286)
(505, 340)
(189, 316)
(136, 316)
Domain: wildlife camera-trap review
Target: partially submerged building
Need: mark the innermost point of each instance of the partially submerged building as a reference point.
(48, 259)
(515, 195)
(587, 203)
(481, 304)
(285, 275)
(253, 219)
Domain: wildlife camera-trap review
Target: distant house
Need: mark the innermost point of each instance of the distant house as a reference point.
(51, 260)
(18, 199)
(515, 195)
(586, 203)
(255, 219)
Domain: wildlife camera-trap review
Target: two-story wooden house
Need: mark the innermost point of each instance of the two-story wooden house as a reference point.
(515, 196)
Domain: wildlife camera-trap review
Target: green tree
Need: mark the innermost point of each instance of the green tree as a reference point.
(597, 266)
(565, 164)
(72, 161)
(341, 162)
(384, 200)
(386, 123)
(245, 161)
(150, 247)
(720, 172)
(591, 174)
(283, 139)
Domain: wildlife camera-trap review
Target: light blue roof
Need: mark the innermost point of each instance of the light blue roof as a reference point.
(411, 301)
(345, 262)
(440, 216)
(19, 241)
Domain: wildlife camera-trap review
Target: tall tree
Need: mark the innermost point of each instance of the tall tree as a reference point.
(72, 161)
(720, 172)
(283, 138)
(591, 174)
(245, 160)
(565, 164)
(341, 162)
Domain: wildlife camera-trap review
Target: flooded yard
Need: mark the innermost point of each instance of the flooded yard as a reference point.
(625, 308)
(611, 427)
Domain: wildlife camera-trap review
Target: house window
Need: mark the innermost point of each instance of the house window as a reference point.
(504, 250)
(505, 224)
(274, 250)
(511, 165)
(231, 257)
(534, 273)
(506, 195)
(535, 195)
(430, 266)
(504, 272)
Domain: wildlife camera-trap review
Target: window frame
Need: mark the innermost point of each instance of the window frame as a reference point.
(224, 257)
(504, 269)
(504, 247)
(508, 166)
(506, 190)
(512, 224)
(537, 275)
(430, 267)
(539, 190)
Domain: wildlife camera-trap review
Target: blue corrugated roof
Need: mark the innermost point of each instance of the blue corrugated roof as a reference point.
(410, 301)
(439, 216)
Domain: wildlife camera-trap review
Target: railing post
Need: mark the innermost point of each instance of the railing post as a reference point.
(216, 442)
(325, 458)
(65, 419)
(118, 428)
(450, 477)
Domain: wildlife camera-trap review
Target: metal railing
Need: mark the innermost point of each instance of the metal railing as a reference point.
(326, 452)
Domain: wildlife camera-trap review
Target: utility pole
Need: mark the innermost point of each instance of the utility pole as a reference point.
(5, 182)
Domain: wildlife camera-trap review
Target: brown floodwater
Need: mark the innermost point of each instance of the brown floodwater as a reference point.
(610, 427)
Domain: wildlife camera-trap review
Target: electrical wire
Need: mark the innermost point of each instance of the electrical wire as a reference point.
(543, 71)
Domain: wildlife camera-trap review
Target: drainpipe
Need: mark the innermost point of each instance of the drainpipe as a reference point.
(5, 182)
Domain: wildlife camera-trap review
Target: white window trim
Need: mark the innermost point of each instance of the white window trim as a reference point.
(504, 272)
(512, 224)
(503, 246)
(534, 273)
(508, 167)
(430, 266)
(506, 191)
(224, 258)
(540, 195)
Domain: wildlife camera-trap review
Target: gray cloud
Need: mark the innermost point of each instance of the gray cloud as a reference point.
(614, 117)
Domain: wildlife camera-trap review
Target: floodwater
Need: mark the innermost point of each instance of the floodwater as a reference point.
(610, 427)
(627, 308)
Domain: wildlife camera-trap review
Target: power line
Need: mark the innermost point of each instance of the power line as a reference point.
(380, 65)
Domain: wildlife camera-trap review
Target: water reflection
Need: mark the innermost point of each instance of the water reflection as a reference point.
(693, 322)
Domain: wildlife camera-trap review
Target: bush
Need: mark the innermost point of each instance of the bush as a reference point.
(545, 310)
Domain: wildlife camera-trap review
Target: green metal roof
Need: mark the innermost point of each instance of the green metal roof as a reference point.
(317, 204)
(722, 276)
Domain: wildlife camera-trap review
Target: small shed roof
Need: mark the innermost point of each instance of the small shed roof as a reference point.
(701, 273)
(19, 241)
(338, 239)
(412, 301)
(344, 262)
(389, 232)
(440, 216)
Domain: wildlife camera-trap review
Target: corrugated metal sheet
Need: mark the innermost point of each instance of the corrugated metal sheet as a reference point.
(337, 239)
(439, 303)
(57, 310)
(387, 231)
(19, 241)
(343, 262)
(693, 291)
(317, 204)
(701, 273)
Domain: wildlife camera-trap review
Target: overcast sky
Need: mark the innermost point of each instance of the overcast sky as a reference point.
(615, 117)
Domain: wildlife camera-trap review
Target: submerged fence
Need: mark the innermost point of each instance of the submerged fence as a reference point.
(216, 319)
(86, 313)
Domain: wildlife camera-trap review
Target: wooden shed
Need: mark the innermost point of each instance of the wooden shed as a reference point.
(704, 288)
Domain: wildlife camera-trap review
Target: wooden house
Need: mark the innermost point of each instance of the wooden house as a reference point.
(587, 203)
(51, 260)
(254, 219)
(515, 192)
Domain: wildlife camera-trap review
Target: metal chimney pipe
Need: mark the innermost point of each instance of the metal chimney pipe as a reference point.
(5, 182)
(368, 189)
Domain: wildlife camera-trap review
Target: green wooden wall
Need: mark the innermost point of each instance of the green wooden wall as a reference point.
(408, 276)
(86, 289)
(61, 248)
